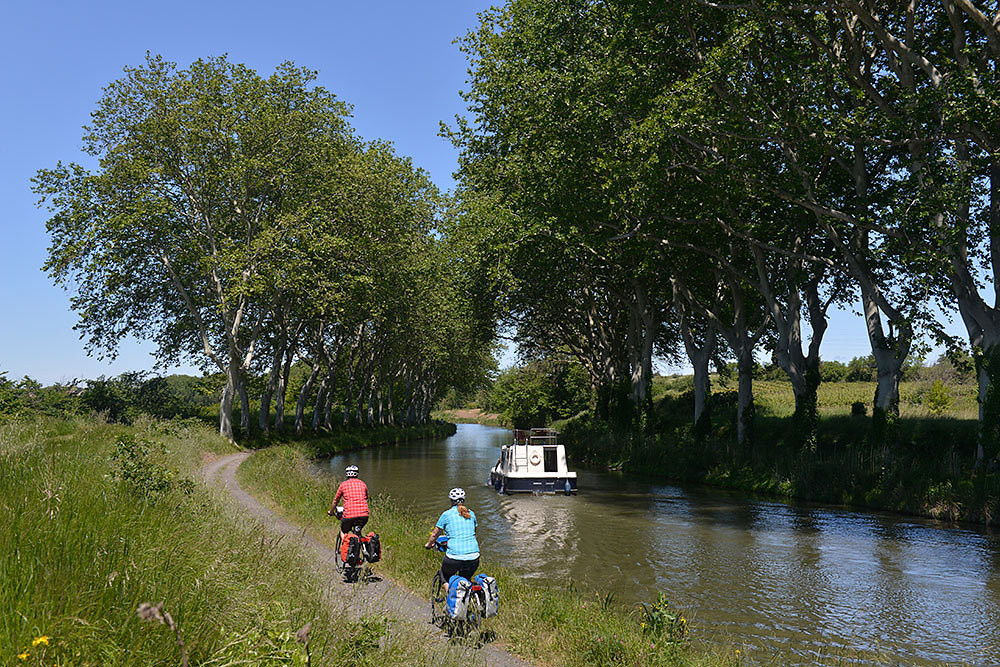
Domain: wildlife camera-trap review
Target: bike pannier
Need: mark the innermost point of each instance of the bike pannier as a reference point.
(489, 586)
(350, 550)
(459, 589)
(372, 548)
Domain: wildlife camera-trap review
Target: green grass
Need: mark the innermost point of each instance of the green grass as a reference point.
(547, 625)
(81, 549)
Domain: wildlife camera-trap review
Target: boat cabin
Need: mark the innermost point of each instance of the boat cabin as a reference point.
(534, 462)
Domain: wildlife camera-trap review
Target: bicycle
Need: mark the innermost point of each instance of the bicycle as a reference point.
(474, 612)
(351, 573)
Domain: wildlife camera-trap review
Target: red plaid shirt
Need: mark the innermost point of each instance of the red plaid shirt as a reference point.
(355, 494)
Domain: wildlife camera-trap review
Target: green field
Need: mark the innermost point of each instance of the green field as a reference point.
(774, 398)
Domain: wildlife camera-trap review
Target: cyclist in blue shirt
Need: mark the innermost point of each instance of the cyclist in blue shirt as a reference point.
(459, 524)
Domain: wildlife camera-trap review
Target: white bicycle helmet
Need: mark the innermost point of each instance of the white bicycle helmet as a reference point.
(456, 495)
(351, 471)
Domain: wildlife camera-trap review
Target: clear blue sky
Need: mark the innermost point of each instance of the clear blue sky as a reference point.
(393, 61)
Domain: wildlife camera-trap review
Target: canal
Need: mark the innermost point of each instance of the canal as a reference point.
(784, 582)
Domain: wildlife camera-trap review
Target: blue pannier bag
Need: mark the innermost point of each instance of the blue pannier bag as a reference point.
(490, 592)
(458, 596)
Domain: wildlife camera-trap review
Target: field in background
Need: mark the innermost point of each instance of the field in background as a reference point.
(774, 398)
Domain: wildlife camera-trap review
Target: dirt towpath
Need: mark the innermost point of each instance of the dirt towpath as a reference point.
(383, 596)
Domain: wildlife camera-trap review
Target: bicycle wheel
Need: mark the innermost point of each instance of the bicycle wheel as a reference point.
(477, 607)
(336, 555)
(438, 601)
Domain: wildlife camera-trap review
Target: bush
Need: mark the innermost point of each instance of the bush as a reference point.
(938, 398)
(859, 409)
(141, 475)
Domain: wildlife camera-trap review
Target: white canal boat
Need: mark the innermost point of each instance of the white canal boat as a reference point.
(534, 462)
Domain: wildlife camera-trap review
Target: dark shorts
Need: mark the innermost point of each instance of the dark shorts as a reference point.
(347, 524)
(465, 568)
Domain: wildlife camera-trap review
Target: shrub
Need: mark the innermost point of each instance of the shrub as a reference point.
(141, 475)
(938, 398)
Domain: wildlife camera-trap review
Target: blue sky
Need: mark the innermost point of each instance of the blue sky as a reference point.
(393, 61)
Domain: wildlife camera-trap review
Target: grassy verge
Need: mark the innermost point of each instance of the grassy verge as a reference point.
(99, 519)
(547, 625)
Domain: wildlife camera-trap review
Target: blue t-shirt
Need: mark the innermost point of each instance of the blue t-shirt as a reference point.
(461, 532)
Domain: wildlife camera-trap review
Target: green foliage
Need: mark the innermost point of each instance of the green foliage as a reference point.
(938, 398)
(29, 397)
(540, 392)
(832, 371)
(140, 473)
(662, 622)
(861, 369)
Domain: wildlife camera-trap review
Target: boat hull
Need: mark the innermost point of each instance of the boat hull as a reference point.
(530, 484)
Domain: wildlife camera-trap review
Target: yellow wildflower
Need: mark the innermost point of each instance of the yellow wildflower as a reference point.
(23, 656)
(44, 639)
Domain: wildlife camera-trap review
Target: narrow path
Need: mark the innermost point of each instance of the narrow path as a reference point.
(383, 596)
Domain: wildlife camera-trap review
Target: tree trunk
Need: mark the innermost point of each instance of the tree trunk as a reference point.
(264, 417)
(320, 404)
(744, 400)
(226, 412)
(279, 406)
(349, 394)
(300, 405)
(244, 409)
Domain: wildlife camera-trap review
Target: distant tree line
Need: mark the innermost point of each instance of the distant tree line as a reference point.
(119, 399)
(706, 180)
(239, 223)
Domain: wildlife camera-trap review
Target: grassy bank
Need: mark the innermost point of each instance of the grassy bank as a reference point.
(925, 470)
(547, 625)
(99, 519)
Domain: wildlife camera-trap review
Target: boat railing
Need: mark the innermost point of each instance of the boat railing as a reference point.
(536, 436)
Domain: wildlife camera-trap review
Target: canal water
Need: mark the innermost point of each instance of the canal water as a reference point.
(785, 583)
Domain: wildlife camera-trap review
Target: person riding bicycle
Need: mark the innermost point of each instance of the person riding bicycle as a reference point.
(355, 495)
(459, 524)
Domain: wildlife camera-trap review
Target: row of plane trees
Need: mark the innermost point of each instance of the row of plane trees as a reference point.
(238, 222)
(701, 179)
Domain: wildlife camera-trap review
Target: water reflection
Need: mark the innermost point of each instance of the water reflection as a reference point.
(802, 583)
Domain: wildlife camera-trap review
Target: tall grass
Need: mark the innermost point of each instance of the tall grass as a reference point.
(548, 625)
(81, 548)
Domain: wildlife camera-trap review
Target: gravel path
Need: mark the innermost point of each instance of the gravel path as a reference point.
(383, 596)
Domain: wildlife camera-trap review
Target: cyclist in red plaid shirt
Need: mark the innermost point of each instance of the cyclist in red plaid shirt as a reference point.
(355, 495)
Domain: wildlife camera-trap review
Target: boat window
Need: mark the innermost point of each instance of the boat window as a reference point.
(551, 462)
